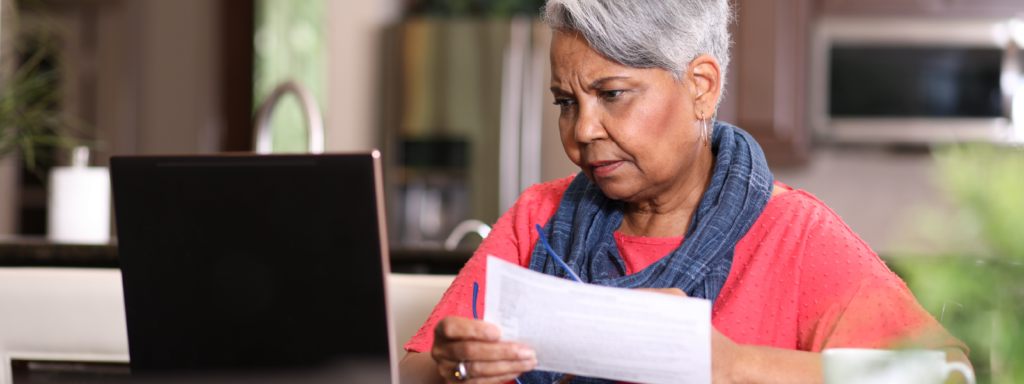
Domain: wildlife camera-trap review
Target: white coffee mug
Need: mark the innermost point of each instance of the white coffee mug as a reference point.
(860, 366)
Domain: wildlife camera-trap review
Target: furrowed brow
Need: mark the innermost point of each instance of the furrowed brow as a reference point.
(559, 91)
(598, 82)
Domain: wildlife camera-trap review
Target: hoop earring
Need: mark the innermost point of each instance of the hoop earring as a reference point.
(704, 132)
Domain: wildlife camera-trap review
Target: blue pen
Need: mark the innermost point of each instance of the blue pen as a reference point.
(476, 289)
(544, 240)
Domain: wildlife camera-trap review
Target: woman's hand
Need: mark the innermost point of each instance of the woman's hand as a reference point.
(475, 343)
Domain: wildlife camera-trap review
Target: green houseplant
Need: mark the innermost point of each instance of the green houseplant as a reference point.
(976, 287)
(32, 121)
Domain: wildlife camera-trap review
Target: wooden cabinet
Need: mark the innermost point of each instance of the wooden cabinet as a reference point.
(991, 8)
(766, 92)
(880, 6)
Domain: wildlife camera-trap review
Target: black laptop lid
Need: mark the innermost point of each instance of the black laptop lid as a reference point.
(242, 262)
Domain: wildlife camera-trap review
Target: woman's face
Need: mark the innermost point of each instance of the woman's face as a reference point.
(634, 131)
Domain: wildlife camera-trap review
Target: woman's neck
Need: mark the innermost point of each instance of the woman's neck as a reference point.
(668, 213)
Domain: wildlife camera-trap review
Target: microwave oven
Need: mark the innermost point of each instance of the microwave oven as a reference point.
(916, 80)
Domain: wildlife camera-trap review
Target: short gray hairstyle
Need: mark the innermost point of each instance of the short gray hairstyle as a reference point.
(666, 34)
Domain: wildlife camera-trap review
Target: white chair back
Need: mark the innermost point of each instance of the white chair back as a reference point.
(68, 314)
(411, 298)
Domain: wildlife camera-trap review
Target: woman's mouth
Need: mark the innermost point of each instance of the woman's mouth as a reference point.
(605, 168)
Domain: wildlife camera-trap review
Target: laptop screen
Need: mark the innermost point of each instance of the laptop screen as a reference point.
(234, 263)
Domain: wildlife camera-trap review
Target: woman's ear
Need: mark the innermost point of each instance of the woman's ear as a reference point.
(705, 76)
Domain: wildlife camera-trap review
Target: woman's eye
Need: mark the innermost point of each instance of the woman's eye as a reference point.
(611, 94)
(564, 103)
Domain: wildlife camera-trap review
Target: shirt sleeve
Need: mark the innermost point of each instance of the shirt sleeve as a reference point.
(849, 297)
(511, 239)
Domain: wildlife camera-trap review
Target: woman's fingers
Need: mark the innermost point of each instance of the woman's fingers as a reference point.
(499, 368)
(458, 328)
(486, 372)
(491, 380)
(497, 380)
(481, 350)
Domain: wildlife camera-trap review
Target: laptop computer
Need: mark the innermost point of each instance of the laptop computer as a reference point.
(247, 263)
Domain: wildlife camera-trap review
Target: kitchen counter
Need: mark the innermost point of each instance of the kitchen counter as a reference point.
(38, 252)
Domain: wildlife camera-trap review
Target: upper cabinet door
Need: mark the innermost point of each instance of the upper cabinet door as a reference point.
(996, 8)
(881, 6)
(1007, 8)
(767, 84)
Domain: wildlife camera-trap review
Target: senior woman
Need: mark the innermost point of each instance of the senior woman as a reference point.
(670, 200)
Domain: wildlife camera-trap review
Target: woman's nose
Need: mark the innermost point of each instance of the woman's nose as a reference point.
(589, 126)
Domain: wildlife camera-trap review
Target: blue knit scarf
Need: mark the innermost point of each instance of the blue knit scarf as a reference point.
(582, 231)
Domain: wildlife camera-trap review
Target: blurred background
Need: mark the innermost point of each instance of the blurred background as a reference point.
(904, 116)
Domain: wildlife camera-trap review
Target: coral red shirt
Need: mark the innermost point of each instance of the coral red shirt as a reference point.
(800, 279)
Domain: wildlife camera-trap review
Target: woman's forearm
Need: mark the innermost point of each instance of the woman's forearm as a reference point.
(733, 363)
(768, 365)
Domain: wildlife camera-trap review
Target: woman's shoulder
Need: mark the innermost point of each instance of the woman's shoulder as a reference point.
(795, 218)
(789, 206)
(798, 226)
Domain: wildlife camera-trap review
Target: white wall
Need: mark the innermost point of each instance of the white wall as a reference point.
(178, 75)
(178, 78)
(353, 41)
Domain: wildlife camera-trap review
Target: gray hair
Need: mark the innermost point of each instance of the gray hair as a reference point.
(666, 34)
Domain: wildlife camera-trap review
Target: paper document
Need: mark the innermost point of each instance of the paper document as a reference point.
(597, 331)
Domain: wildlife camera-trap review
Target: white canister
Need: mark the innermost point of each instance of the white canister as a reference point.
(79, 202)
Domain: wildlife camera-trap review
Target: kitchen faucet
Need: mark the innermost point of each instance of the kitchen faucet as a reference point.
(314, 120)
